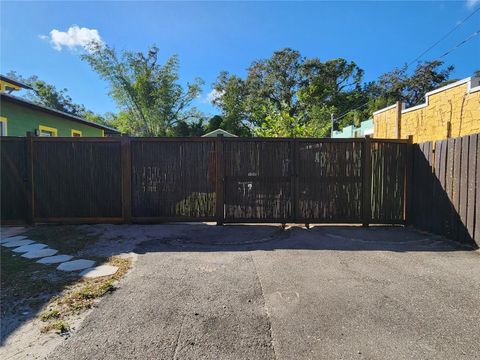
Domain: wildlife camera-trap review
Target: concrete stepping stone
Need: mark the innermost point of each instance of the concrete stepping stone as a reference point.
(28, 248)
(39, 253)
(75, 265)
(98, 271)
(12, 238)
(54, 259)
(16, 243)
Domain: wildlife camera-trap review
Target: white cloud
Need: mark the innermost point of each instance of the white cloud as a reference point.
(471, 3)
(213, 95)
(75, 37)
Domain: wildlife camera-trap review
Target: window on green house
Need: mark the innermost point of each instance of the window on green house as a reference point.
(3, 126)
(47, 131)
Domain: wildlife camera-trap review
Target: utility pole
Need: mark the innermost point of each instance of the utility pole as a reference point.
(331, 121)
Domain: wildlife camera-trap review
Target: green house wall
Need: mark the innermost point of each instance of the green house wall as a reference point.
(21, 119)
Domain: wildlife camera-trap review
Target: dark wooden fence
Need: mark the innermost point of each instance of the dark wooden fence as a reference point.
(204, 179)
(446, 188)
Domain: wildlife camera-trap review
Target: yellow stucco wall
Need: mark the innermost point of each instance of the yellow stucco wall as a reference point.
(384, 124)
(456, 107)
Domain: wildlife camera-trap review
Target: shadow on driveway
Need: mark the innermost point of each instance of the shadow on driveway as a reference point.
(191, 239)
(203, 237)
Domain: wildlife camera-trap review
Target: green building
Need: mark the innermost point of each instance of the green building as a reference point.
(351, 131)
(19, 116)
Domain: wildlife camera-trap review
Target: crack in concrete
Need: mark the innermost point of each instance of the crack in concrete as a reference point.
(177, 340)
(270, 329)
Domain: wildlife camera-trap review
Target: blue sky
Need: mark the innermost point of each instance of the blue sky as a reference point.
(210, 37)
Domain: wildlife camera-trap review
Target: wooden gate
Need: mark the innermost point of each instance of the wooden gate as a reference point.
(204, 179)
(314, 180)
(258, 180)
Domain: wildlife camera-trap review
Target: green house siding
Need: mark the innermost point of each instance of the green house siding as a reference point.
(21, 119)
(365, 128)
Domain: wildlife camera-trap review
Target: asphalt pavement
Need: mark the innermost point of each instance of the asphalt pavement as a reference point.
(260, 292)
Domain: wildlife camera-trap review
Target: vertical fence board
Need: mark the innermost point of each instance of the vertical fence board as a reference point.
(30, 185)
(423, 179)
(13, 180)
(367, 181)
(126, 159)
(456, 185)
(463, 199)
(408, 186)
(477, 196)
(436, 209)
(450, 216)
(219, 180)
(429, 182)
(472, 171)
(294, 180)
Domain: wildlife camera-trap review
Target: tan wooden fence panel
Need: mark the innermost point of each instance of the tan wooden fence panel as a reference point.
(446, 188)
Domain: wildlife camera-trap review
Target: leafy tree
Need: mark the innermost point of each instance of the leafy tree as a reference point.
(192, 128)
(398, 85)
(151, 100)
(48, 95)
(287, 88)
(214, 123)
(231, 99)
(272, 85)
(334, 86)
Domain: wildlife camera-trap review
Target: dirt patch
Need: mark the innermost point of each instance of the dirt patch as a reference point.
(38, 302)
(26, 286)
(67, 239)
(80, 297)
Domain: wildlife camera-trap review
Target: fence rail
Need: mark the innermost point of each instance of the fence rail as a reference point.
(204, 179)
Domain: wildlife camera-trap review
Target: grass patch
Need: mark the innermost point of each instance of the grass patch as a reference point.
(25, 283)
(60, 326)
(67, 239)
(50, 315)
(28, 286)
(82, 295)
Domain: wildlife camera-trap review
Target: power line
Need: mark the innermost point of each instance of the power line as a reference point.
(443, 37)
(463, 42)
(427, 50)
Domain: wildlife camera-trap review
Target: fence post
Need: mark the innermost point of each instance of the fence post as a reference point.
(126, 160)
(219, 180)
(367, 182)
(29, 187)
(294, 181)
(408, 196)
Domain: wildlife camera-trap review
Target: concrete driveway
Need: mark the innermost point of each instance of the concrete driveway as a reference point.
(258, 292)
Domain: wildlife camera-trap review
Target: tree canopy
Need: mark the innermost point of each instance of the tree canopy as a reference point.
(48, 95)
(285, 95)
(290, 95)
(398, 85)
(151, 100)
